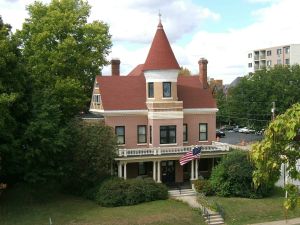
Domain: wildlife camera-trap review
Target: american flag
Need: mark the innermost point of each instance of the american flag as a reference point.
(193, 154)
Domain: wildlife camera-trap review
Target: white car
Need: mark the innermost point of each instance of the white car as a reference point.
(244, 130)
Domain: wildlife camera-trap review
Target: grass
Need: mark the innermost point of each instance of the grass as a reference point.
(240, 211)
(19, 207)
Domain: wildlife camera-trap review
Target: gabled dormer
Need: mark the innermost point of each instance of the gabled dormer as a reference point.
(161, 69)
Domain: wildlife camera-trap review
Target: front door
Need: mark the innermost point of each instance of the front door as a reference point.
(168, 172)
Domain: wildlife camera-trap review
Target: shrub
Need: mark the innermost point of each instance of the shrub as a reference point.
(112, 192)
(203, 186)
(119, 192)
(233, 176)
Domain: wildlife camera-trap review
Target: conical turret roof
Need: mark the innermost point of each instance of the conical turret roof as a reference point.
(160, 56)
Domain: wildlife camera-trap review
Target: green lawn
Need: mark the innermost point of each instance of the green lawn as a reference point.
(247, 211)
(18, 208)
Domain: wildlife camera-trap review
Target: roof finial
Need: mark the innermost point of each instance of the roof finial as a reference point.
(159, 22)
(159, 16)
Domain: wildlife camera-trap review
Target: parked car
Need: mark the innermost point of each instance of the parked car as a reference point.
(236, 129)
(260, 132)
(251, 131)
(244, 130)
(220, 133)
(227, 127)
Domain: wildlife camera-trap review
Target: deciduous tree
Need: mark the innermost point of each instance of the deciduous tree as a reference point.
(250, 102)
(63, 53)
(13, 105)
(280, 145)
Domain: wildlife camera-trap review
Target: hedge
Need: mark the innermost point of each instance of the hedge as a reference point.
(119, 192)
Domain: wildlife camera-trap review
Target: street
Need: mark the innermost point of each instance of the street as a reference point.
(236, 138)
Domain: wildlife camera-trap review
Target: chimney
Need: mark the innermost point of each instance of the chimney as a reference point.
(203, 72)
(115, 67)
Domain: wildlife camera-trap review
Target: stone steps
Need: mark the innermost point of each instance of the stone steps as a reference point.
(214, 219)
(183, 192)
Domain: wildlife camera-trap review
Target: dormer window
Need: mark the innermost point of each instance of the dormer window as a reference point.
(150, 90)
(97, 98)
(166, 89)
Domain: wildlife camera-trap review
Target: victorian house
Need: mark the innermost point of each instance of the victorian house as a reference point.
(158, 116)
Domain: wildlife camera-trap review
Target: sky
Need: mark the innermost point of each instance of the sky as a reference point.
(222, 31)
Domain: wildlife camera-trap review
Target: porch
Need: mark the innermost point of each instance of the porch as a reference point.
(162, 164)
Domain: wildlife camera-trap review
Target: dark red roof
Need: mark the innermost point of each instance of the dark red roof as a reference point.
(137, 71)
(190, 91)
(129, 92)
(122, 92)
(160, 55)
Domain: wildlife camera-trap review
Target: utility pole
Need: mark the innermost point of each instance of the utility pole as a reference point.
(273, 110)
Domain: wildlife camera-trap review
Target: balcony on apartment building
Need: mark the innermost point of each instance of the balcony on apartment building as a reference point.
(164, 151)
(262, 54)
(262, 64)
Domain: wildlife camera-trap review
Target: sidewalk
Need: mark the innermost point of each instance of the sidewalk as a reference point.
(295, 221)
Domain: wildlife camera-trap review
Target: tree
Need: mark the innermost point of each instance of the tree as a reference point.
(13, 105)
(223, 115)
(184, 72)
(233, 176)
(48, 137)
(59, 42)
(63, 53)
(93, 151)
(280, 145)
(249, 103)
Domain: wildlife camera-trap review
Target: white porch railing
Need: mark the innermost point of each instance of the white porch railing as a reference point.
(215, 147)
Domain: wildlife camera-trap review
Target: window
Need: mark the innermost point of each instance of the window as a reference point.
(287, 61)
(166, 89)
(250, 55)
(279, 51)
(249, 65)
(167, 134)
(142, 168)
(185, 132)
(269, 63)
(278, 61)
(141, 133)
(287, 50)
(150, 90)
(150, 141)
(97, 98)
(97, 85)
(203, 132)
(120, 133)
(269, 52)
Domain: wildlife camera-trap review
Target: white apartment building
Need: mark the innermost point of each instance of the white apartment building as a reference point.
(268, 57)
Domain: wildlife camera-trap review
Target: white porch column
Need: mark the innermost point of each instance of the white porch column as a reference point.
(158, 172)
(196, 161)
(125, 170)
(192, 170)
(119, 169)
(154, 171)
